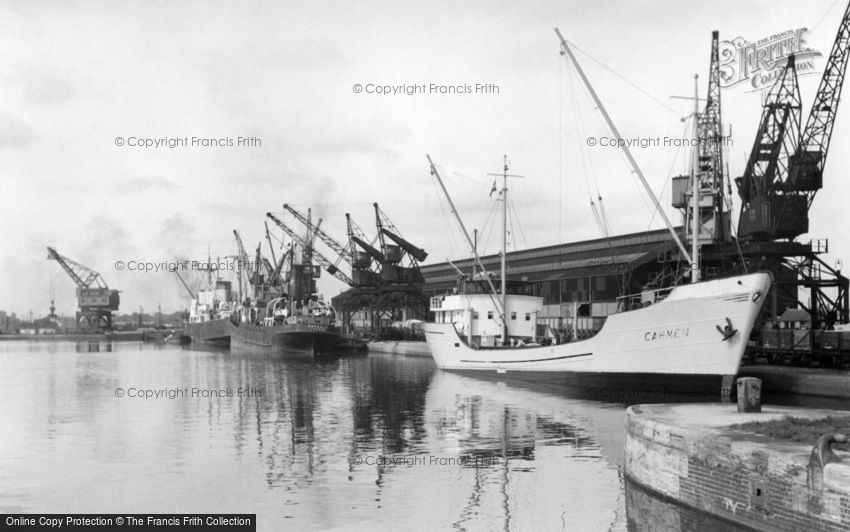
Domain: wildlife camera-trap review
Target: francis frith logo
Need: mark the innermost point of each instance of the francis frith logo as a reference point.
(759, 63)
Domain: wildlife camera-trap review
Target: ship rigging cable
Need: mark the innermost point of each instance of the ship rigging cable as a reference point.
(488, 227)
(597, 205)
(586, 159)
(515, 216)
(443, 215)
(611, 70)
(560, 150)
(648, 203)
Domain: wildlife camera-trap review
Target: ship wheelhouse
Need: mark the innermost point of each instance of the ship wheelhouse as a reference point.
(475, 312)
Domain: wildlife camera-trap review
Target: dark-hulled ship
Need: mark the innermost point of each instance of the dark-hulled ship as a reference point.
(276, 312)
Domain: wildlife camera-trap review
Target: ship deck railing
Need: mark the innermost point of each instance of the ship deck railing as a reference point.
(642, 299)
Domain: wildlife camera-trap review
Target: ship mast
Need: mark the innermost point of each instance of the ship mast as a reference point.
(473, 247)
(695, 212)
(566, 50)
(504, 248)
(504, 175)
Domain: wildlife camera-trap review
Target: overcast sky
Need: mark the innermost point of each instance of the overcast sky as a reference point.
(77, 75)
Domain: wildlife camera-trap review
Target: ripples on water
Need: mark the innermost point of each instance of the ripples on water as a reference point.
(355, 442)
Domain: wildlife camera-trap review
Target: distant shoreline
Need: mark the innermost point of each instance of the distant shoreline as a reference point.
(120, 336)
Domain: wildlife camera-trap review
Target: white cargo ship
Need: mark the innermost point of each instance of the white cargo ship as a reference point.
(696, 329)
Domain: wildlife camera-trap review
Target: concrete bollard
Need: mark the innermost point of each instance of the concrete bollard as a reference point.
(726, 388)
(749, 394)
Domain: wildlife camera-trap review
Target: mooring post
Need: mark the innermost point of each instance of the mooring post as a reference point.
(749, 394)
(726, 388)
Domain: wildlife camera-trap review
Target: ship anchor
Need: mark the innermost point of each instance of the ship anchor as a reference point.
(728, 331)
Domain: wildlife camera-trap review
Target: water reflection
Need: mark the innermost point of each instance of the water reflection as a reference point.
(335, 443)
(92, 346)
(554, 453)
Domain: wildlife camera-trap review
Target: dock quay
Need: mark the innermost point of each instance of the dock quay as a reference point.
(691, 455)
(400, 347)
(122, 336)
(801, 381)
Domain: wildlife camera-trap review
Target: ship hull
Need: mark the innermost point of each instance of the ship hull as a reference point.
(307, 337)
(680, 335)
(614, 387)
(302, 338)
(213, 332)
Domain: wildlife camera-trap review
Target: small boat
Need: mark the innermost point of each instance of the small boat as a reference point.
(177, 338)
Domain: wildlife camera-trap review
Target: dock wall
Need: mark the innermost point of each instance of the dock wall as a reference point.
(803, 381)
(685, 453)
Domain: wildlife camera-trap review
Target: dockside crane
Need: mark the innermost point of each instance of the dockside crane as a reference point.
(243, 277)
(365, 261)
(386, 288)
(185, 284)
(713, 215)
(362, 273)
(400, 296)
(785, 169)
(329, 241)
(95, 300)
(309, 252)
(273, 267)
(259, 280)
(807, 164)
(317, 232)
(268, 268)
(770, 209)
(394, 254)
(710, 128)
(277, 277)
(712, 211)
(783, 174)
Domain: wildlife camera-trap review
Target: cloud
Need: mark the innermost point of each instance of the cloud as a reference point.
(138, 184)
(45, 84)
(225, 209)
(107, 239)
(14, 132)
(176, 236)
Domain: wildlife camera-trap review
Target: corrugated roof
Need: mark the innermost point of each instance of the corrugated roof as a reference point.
(594, 258)
(550, 255)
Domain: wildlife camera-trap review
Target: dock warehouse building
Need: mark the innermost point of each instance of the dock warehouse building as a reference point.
(580, 280)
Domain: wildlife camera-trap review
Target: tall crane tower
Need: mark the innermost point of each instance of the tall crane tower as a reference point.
(713, 213)
(783, 174)
(365, 259)
(362, 274)
(771, 208)
(785, 169)
(95, 300)
(401, 258)
(399, 296)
